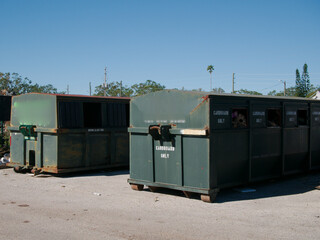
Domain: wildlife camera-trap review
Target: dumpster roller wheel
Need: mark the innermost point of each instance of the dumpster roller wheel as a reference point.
(35, 171)
(137, 187)
(19, 169)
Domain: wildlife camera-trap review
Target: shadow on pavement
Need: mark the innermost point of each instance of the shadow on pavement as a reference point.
(273, 188)
(283, 187)
(93, 173)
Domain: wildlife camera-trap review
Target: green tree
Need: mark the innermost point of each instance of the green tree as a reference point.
(218, 90)
(114, 89)
(299, 84)
(303, 86)
(13, 83)
(210, 69)
(305, 79)
(290, 92)
(247, 92)
(146, 87)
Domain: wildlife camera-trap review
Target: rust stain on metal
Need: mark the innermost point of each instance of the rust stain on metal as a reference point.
(50, 169)
(155, 127)
(205, 98)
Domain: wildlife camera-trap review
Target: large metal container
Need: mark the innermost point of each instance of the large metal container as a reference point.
(202, 142)
(66, 133)
(5, 104)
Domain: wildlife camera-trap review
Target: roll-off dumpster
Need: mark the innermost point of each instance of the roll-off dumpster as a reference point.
(201, 142)
(59, 133)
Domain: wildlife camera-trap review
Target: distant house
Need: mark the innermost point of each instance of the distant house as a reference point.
(316, 95)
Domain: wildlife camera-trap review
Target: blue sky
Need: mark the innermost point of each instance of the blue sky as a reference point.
(171, 42)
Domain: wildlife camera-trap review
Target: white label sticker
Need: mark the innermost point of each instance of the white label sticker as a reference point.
(259, 120)
(221, 113)
(316, 113)
(221, 120)
(291, 113)
(165, 148)
(258, 113)
(164, 155)
(96, 130)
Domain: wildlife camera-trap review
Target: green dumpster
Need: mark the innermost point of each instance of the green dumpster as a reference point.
(5, 104)
(59, 133)
(5, 109)
(201, 142)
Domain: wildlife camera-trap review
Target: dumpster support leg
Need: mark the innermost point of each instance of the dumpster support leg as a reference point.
(187, 194)
(209, 198)
(137, 187)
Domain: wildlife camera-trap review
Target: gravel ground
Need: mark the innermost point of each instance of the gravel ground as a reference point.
(101, 205)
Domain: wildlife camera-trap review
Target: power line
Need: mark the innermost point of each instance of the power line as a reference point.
(271, 87)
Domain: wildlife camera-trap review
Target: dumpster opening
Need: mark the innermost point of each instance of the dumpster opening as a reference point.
(92, 115)
(32, 158)
(274, 117)
(239, 117)
(302, 117)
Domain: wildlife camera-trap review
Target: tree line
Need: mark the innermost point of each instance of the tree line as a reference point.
(302, 88)
(14, 84)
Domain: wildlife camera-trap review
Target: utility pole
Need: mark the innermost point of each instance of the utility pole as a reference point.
(89, 88)
(233, 83)
(67, 89)
(284, 87)
(105, 81)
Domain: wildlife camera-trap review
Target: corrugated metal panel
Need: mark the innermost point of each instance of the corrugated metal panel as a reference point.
(117, 115)
(70, 115)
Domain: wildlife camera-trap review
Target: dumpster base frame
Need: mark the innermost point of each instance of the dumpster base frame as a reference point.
(207, 195)
(56, 170)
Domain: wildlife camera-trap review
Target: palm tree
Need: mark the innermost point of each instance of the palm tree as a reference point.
(210, 69)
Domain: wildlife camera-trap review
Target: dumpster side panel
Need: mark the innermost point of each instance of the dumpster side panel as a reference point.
(141, 157)
(196, 161)
(266, 153)
(121, 140)
(17, 148)
(231, 156)
(167, 166)
(50, 150)
(296, 149)
(34, 109)
(229, 141)
(98, 149)
(296, 138)
(315, 137)
(315, 148)
(71, 150)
